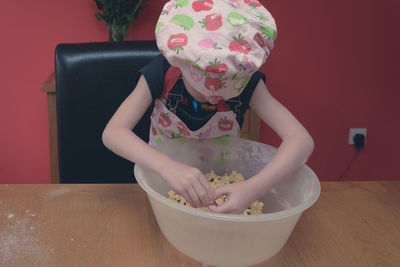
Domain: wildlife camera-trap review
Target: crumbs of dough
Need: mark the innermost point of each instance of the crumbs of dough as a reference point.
(217, 181)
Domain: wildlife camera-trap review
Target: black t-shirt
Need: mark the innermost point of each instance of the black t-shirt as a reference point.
(191, 112)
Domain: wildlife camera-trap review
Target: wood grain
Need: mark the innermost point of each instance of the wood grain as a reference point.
(352, 224)
(49, 86)
(53, 138)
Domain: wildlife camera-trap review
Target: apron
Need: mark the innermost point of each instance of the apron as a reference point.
(166, 125)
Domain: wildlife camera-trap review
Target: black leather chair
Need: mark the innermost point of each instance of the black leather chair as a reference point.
(92, 80)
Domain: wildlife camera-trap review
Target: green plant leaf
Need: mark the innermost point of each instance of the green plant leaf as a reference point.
(118, 12)
(98, 16)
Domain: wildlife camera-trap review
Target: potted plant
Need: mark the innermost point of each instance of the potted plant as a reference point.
(118, 14)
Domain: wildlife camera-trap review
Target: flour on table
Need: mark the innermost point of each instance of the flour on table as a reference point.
(57, 192)
(18, 236)
(30, 213)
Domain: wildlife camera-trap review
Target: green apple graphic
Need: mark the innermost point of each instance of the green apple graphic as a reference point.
(158, 26)
(236, 19)
(184, 21)
(241, 82)
(181, 3)
(268, 31)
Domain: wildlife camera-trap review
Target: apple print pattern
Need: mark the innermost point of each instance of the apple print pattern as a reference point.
(182, 128)
(212, 22)
(225, 124)
(167, 8)
(240, 45)
(165, 125)
(208, 43)
(252, 3)
(177, 41)
(214, 84)
(242, 62)
(164, 120)
(234, 3)
(268, 31)
(154, 130)
(236, 19)
(226, 38)
(184, 21)
(181, 3)
(240, 82)
(217, 67)
(202, 5)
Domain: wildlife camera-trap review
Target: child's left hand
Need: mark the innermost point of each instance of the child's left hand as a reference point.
(239, 197)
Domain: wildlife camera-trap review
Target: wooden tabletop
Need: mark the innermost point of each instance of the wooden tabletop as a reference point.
(352, 224)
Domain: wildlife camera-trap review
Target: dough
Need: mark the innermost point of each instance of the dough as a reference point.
(217, 181)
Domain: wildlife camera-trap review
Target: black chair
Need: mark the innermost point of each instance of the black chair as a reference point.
(92, 80)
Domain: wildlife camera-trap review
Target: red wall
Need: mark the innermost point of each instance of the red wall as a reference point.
(335, 66)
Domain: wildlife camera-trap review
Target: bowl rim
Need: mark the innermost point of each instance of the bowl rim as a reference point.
(298, 209)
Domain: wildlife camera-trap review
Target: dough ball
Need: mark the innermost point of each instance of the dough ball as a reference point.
(217, 181)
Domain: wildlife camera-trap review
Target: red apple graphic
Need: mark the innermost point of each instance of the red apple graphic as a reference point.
(252, 3)
(154, 130)
(217, 67)
(214, 84)
(202, 5)
(225, 124)
(258, 38)
(240, 45)
(212, 22)
(176, 42)
(182, 129)
(164, 120)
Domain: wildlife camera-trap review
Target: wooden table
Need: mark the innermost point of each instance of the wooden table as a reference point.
(352, 224)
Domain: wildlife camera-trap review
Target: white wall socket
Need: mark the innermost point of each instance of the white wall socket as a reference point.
(354, 131)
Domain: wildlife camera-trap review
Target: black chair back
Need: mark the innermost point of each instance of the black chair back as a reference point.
(92, 80)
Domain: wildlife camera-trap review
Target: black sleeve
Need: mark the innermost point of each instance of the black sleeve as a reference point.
(247, 93)
(154, 74)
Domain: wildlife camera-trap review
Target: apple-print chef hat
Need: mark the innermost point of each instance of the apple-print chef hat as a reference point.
(217, 44)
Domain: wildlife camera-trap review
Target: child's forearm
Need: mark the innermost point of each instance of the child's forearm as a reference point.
(290, 156)
(186, 180)
(123, 142)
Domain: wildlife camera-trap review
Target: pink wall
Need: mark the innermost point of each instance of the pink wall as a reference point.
(334, 66)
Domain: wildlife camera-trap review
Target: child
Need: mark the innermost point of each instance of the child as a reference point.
(201, 85)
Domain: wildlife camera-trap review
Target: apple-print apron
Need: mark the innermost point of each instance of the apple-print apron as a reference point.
(165, 124)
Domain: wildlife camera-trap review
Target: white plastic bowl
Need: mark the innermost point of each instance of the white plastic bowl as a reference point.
(224, 239)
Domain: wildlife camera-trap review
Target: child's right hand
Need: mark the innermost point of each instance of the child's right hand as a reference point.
(189, 182)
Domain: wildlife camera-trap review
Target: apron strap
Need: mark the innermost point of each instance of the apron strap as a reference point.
(171, 77)
(222, 107)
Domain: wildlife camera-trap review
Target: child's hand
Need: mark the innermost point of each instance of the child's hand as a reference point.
(190, 183)
(239, 197)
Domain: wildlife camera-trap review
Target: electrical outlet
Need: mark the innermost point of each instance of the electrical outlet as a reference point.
(354, 131)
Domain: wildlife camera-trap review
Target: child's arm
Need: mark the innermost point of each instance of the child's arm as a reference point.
(119, 138)
(292, 154)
